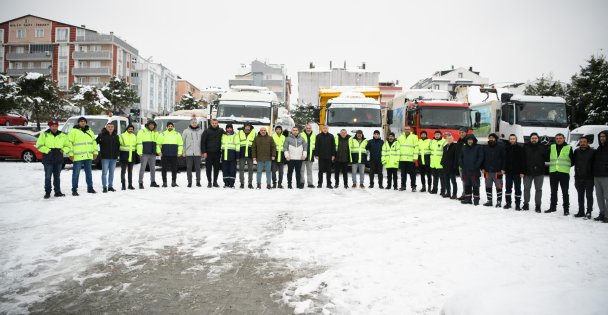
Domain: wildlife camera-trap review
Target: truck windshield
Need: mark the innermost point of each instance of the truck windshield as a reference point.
(244, 111)
(354, 116)
(179, 124)
(542, 114)
(445, 117)
(95, 124)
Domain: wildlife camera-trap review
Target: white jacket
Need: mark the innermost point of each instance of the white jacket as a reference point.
(295, 148)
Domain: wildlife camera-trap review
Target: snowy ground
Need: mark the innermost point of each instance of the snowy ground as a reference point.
(350, 251)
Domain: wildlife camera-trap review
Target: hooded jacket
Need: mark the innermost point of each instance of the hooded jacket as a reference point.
(494, 157)
(109, 144)
(583, 163)
(471, 157)
(264, 148)
(358, 150)
(449, 160)
(82, 143)
(52, 145)
(295, 148)
(342, 149)
(600, 158)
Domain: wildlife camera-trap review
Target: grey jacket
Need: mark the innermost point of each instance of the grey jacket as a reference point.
(295, 148)
(192, 141)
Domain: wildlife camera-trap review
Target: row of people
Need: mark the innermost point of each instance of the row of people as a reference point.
(439, 160)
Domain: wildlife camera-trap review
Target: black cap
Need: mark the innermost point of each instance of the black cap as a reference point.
(278, 127)
(82, 118)
(229, 126)
(437, 131)
(463, 129)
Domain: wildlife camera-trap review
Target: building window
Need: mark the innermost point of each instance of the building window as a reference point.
(63, 81)
(61, 34)
(460, 75)
(79, 32)
(83, 48)
(20, 33)
(30, 65)
(63, 66)
(41, 48)
(95, 64)
(436, 87)
(94, 80)
(1, 36)
(45, 65)
(39, 32)
(18, 65)
(20, 50)
(64, 50)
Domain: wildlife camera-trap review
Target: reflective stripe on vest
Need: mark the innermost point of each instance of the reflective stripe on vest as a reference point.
(357, 147)
(562, 162)
(437, 153)
(279, 141)
(246, 140)
(424, 148)
(229, 142)
(313, 140)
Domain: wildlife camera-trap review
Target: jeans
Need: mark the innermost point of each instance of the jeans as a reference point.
(107, 165)
(277, 166)
(601, 192)
(264, 166)
(357, 167)
(294, 166)
(52, 170)
(88, 172)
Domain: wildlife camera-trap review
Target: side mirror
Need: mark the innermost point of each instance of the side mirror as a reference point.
(477, 118)
(410, 117)
(389, 117)
(316, 115)
(476, 125)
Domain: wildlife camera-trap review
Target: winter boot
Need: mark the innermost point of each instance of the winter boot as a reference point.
(402, 189)
(389, 186)
(123, 186)
(371, 185)
(354, 185)
(466, 200)
(91, 191)
(588, 216)
(566, 212)
(259, 186)
(198, 183)
(476, 200)
(507, 204)
(268, 186)
(599, 218)
(164, 184)
(289, 186)
(488, 203)
(526, 206)
(154, 184)
(141, 186)
(174, 184)
(47, 195)
(423, 189)
(274, 184)
(498, 203)
(189, 184)
(580, 213)
(310, 186)
(551, 209)
(75, 193)
(104, 190)
(537, 208)
(517, 202)
(131, 187)
(320, 186)
(413, 189)
(329, 186)
(242, 185)
(380, 186)
(250, 186)
(60, 194)
(111, 189)
(280, 186)
(209, 185)
(361, 186)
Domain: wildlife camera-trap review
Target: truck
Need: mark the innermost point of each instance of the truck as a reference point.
(591, 131)
(181, 121)
(505, 113)
(350, 108)
(246, 104)
(428, 110)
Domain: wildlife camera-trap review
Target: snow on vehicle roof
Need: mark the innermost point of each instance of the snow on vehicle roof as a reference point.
(426, 94)
(338, 89)
(248, 96)
(99, 117)
(589, 129)
(536, 98)
(190, 113)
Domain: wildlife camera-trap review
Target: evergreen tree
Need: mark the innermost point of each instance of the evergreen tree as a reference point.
(546, 86)
(39, 96)
(120, 93)
(9, 95)
(188, 102)
(91, 98)
(588, 93)
(303, 114)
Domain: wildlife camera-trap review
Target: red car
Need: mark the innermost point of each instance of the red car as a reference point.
(13, 119)
(19, 145)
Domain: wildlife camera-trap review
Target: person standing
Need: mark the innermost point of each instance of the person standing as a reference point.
(358, 150)
(264, 152)
(230, 154)
(450, 168)
(128, 147)
(109, 149)
(583, 176)
(171, 147)
(83, 150)
(343, 157)
(191, 139)
(52, 144)
(471, 160)
(600, 175)
(436, 147)
(424, 161)
(246, 137)
(374, 146)
(278, 163)
(147, 149)
(493, 169)
(309, 136)
(514, 171)
(409, 153)
(391, 154)
(560, 162)
(462, 133)
(211, 147)
(295, 152)
(326, 153)
(535, 156)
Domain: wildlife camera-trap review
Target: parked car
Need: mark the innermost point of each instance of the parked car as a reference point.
(19, 145)
(13, 119)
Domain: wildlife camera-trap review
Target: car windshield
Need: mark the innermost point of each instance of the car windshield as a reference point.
(354, 116)
(542, 114)
(95, 124)
(574, 137)
(244, 111)
(26, 137)
(180, 125)
(445, 117)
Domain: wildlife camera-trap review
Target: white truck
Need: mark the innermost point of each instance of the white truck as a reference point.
(504, 114)
(255, 105)
(181, 121)
(353, 111)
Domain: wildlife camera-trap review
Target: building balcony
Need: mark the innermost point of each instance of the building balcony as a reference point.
(91, 71)
(30, 56)
(92, 55)
(20, 72)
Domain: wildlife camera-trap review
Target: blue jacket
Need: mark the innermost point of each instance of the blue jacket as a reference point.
(494, 157)
(374, 146)
(471, 157)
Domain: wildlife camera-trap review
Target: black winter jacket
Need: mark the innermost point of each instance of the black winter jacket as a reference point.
(211, 140)
(583, 163)
(535, 156)
(600, 159)
(514, 162)
(109, 145)
(448, 159)
(342, 151)
(494, 157)
(374, 146)
(471, 157)
(325, 146)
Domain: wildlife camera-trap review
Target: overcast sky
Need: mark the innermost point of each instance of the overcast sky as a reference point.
(205, 42)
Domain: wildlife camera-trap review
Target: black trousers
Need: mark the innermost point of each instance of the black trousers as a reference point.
(341, 167)
(451, 187)
(513, 180)
(277, 167)
(425, 173)
(438, 178)
(471, 187)
(294, 165)
(375, 168)
(391, 175)
(126, 167)
(169, 163)
(558, 179)
(212, 164)
(584, 188)
(407, 168)
(324, 167)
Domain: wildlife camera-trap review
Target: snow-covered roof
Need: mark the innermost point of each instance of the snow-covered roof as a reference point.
(535, 98)
(426, 94)
(248, 96)
(589, 129)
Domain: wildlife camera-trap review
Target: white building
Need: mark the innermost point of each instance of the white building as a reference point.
(155, 85)
(259, 73)
(448, 80)
(309, 81)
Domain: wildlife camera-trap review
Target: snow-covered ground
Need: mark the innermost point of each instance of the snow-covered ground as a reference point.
(375, 251)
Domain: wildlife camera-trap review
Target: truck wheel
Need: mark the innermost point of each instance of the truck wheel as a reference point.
(28, 157)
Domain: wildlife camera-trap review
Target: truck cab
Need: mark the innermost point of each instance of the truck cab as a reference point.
(255, 105)
(352, 111)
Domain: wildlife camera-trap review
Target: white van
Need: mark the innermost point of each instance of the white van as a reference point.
(589, 130)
